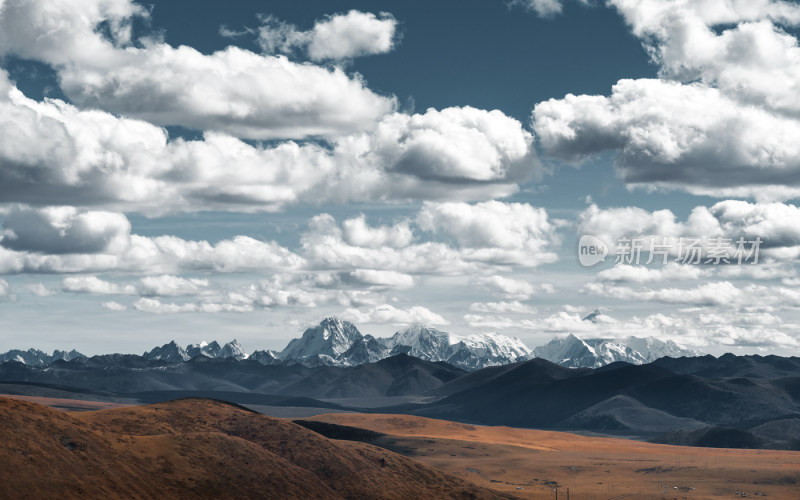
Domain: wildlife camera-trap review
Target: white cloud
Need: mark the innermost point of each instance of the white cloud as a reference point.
(623, 273)
(95, 285)
(161, 254)
(54, 153)
(720, 294)
(59, 230)
(113, 306)
(487, 236)
(494, 231)
(677, 136)
(750, 58)
(340, 36)
(502, 307)
(167, 285)
(458, 144)
(375, 278)
(509, 287)
(722, 119)
(356, 232)
(708, 294)
(155, 306)
(543, 8)
(233, 90)
(389, 314)
(494, 322)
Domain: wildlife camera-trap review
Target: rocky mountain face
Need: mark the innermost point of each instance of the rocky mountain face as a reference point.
(573, 352)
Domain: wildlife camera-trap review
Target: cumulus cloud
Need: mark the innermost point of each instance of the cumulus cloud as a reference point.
(452, 145)
(676, 135)
(356, 232)
(520, 235)
(386, 313)
(232, 90)
(494, 231)
(50, 249)
(54, 153)
(722, 119)
(95, 285)
(750, 59)
(59, 230)
(336, 37)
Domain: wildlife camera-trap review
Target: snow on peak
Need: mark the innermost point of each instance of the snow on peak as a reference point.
(574, 352)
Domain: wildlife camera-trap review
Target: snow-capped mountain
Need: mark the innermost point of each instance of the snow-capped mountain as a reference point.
(173, 353)
(213, 350)
(471, 352)
(573, 352)
(337, 342)
(35, 357)
(331, 338)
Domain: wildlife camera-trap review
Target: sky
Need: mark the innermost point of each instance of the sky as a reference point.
(191, 171)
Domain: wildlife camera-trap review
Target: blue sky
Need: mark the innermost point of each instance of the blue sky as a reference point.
(189, 171)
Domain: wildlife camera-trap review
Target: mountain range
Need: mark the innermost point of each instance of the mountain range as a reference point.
(35, 357)
(334, 342)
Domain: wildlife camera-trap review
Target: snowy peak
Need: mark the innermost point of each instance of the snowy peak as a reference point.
(425, 343)
(173, 353)
(572, 352)
(569, 351)
(233, 349)
(337, 342)
(35, 357)
(332, 337)
(471, 352)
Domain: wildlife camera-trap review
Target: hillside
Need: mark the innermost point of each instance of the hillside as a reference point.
(198, 448)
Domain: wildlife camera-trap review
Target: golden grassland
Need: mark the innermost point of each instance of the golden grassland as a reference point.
(533, 464)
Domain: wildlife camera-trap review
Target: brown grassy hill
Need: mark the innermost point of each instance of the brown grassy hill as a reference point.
(198, 449)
